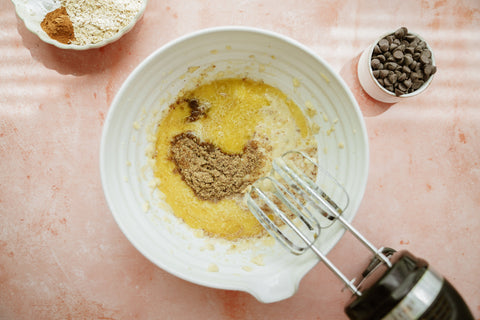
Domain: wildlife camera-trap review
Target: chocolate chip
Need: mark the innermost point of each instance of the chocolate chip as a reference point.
(384, 45)
(402, 77)
(375, 63)
(410, 50)
(398, 54)
(428, 70)
(392, 78)
(415, 75)
(376, 49)
(406, 69)
(410, 37)
(407, 83)
(427, 53)
(408, 59)
(376, 73)
(391, 65)
(417, 84)
(401, 32)
(381, 58)
(383, 73)
(425, 56)
(399, 92)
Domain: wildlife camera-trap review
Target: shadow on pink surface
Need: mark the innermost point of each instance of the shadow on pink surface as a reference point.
(78, 62)
(369, 106)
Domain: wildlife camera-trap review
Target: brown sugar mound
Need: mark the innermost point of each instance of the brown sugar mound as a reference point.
(211, 173)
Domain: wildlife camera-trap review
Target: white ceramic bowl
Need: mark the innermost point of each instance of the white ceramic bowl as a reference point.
(32, 12)
(370, 84)
(268, 272)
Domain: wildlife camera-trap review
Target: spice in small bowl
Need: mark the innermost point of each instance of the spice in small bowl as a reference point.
(58, 26)
(396, 66)
(80, 25)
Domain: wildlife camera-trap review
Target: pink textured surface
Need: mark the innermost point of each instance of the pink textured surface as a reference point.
(63, 257)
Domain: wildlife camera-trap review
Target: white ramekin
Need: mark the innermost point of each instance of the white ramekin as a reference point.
(371, 85)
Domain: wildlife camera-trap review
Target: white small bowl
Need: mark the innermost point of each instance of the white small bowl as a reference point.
(32, 14)
(268, 272)
(375, 89)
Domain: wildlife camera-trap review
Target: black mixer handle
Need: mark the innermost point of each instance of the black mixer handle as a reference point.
(409, 290)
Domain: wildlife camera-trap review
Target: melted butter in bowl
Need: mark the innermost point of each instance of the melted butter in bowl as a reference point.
(217, 139)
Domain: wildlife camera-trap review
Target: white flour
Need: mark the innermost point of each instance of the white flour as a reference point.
(97, 20)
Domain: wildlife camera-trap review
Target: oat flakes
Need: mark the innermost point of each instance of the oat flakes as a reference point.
(94, 20)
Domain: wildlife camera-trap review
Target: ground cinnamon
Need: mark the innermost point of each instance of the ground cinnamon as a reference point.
(58, 26)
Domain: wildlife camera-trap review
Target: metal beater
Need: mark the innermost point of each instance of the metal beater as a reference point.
(394, 286)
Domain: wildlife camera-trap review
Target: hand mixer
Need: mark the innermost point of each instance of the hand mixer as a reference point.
(394, 286)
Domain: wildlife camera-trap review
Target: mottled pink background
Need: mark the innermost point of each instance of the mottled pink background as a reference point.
(63, 257)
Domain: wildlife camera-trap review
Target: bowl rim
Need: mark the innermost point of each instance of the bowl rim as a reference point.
(244, 286)
(38, 31)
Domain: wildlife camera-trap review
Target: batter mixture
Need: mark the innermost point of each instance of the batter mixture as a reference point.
(216, 140)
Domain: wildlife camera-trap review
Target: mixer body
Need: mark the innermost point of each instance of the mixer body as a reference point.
(409, 290)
